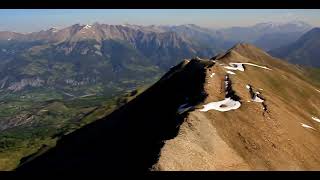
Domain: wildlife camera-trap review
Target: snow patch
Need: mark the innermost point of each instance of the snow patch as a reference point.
(212, 75)
(183, 108)
(230, 72)
(316, 119)
(198, 58)
(54, 30)
(224, 105)
(257, 99)
(235, 66)
(239, 66)
(68, 94)
(318, 90)
(251, 64)
(9, 39)
(87, 26)
(307, 126)
(87, 95)
(98, 53)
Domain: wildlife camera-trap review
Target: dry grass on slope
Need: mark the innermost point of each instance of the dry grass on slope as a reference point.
(249, 138)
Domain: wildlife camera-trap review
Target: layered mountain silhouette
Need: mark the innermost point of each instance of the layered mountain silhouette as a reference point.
(267, 35)
(98, 58)
(240, 110)
(103, 59)
(304, 51)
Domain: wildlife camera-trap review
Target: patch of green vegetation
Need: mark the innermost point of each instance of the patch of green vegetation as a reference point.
(48, 122)
(32, 95)
(34, 68)
(12, 150)
(51, 119)
(12, 108)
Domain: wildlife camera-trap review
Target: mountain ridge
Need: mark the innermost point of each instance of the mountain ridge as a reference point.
(303, 51)
(168, 128)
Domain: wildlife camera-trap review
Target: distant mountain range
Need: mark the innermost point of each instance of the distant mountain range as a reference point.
(303, 51)
(264, 35)
(103, 59)
(58, 80)
(83, 59)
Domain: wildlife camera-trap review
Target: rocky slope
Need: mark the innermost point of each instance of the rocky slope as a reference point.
(277, 132)
(241, 110)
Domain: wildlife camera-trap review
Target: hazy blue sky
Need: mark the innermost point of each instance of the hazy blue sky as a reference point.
(35, 20)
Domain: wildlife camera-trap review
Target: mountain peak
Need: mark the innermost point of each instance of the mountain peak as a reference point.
(87, 26)
(313, 34)
(275, 24)
(243, 45)
(76, 25)
(191, 25)
(246, 47)
(303, 51)
(290, 26)
(314, 30)
(299, 23)
(244, 51)
(53, 29)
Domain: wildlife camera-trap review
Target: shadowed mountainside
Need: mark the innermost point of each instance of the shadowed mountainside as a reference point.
(304, 51)
(130, 138)
(241, 110)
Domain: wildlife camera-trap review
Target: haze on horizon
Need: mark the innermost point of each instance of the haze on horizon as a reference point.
(29, 20)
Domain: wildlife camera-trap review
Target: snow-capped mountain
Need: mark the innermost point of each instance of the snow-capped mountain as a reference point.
(292, 26)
